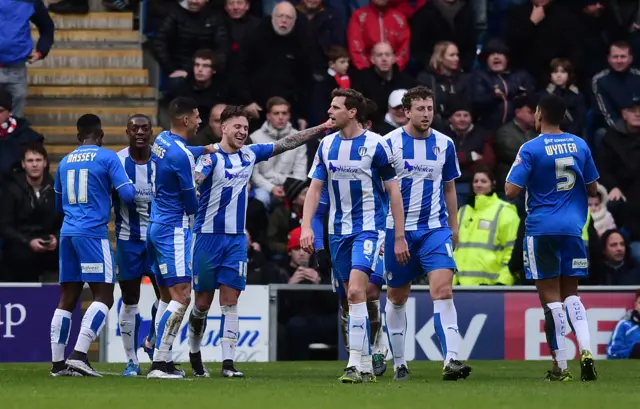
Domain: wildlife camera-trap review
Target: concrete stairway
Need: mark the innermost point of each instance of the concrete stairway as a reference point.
(95, 66)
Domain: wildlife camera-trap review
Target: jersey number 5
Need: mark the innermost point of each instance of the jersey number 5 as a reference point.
(565, 176)
(83, 186)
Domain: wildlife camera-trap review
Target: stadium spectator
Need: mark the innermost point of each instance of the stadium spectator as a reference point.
(16, 46)
(444, 77)
(274, 61)
(29, 222)
(335, 76)
(323, 30)
(211, 133)
(619, 167)
(286, 217)
(472, 143)
(203, 84)
(537, 32)
(509, 137)
(611, 88)
(190, 26)
(602, 218)
(375, 23)
(624, 23)
(15, 134)
(613, 265)
(596, 21)
(488, 228)
(383, 77)
(268, 177)
(239, 24)
(494, 85)
(562, 83)
(625, 339)
(395, 116)
(444, 20)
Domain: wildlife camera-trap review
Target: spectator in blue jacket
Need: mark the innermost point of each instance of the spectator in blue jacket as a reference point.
(494, 85)
(16, 45)
(625, 340)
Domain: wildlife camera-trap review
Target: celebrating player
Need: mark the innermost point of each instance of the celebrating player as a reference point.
(426, 164)
(220, 249)
(354, 164)
(84, 181)
(132, 258)
(168, 233)
(376, 280)
(558, 173)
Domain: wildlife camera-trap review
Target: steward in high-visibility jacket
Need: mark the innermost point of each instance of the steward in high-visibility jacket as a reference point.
(487, 233)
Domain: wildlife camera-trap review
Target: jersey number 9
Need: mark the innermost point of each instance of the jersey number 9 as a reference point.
(565, 176)
(83, 186)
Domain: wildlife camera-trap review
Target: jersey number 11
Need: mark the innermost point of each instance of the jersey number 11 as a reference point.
(83, 186)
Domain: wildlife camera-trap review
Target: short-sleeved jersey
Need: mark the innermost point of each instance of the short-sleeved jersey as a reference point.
(422, 167)
(172, 168)
(554, 169)
(223, 193)
(132, 220)
(350, 168)
(86, 178)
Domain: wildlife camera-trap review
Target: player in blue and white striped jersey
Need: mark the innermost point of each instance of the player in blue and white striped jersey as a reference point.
(220, 244)
(132, 258)
(426, 164)
(354, 164)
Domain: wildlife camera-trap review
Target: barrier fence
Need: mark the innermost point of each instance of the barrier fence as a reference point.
(495, 323)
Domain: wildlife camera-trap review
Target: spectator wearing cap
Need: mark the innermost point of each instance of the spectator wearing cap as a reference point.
(190, 26)
(286, 216)
(15, 134)
(563, 84)
(375, 23)
(494, 85)
(509, 137)
(444, 77)
(472, 146)
(619, 167)
(16, 45)
(395, 117)
(611, 88)
(268, 177)
(381, 79)
(444, 20)
(541, 30)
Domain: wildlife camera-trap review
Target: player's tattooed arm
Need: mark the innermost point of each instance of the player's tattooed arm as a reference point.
(199, 178)
(298, 138)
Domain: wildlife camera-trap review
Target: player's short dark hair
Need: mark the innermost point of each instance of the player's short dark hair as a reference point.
(35, 147)
(335, 52)
(275, 101)
(486, 170)
(138, 116)
(88, 125)
(206, 54)
(552, 108)
(416, 93)
(181, 107)
(233, 111)
(352, 99)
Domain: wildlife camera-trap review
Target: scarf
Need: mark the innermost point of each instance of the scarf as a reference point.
(8, 127)
(343, 81)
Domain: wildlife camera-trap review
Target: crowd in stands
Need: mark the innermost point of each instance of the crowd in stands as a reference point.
(487, 61)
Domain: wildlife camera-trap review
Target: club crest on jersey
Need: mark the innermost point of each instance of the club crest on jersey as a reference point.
(362, 150)
(517, 161)
(206, 160)
(246, 157)
(436, 150)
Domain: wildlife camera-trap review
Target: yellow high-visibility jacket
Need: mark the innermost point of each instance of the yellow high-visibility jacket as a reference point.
(487, 233)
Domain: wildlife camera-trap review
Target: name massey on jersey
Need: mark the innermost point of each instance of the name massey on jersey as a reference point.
(561, 148)
(81, 157)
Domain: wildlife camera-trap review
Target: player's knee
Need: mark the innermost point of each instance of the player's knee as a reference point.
(356, 295)
(130, 299)
(373, 292)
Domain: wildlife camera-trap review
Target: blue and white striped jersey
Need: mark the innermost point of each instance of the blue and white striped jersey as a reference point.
(422, 167)
(132, 221)
(223, 193)
(350, 169)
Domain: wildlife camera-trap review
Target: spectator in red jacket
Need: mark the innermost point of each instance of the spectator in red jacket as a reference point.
(375, 23)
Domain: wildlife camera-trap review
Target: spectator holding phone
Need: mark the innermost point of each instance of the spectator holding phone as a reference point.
(29, 223)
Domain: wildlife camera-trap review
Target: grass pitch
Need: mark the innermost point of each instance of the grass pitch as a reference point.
(309, 385)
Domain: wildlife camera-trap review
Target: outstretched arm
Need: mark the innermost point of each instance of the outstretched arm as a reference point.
(298, 138)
